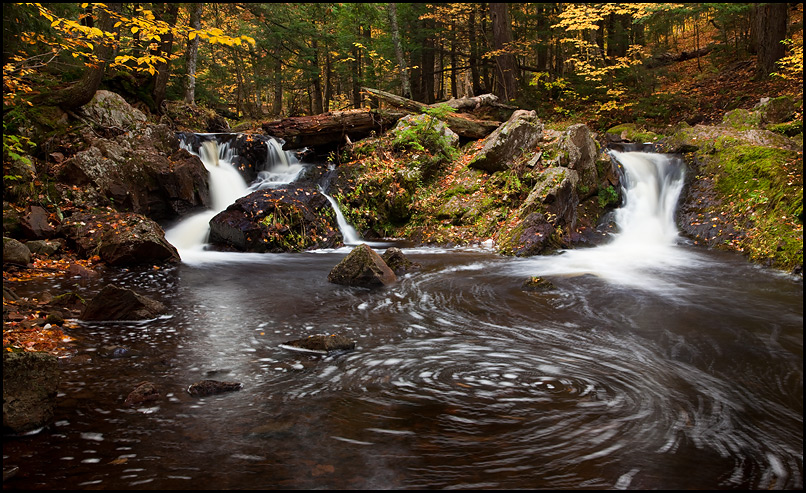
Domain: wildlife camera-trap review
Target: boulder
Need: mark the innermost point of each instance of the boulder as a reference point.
(551, 207)
(30, 383)
(398, 262)
(437, 126)
(119, 238)
(211, 387)
(321, 343)
(43, 247)
(109, 110)
(35, 225)
(142, 171)
(775, 110)
(579, 152)
(144, 393)
(113, 303)
(362, 267)
(501, 148)
(289, 219)
(15, 252)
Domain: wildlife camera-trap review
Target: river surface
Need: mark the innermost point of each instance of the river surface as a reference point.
(672, 367)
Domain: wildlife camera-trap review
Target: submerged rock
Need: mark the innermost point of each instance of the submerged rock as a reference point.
(114, 303)
(30, 383)
(536, 283)
(362, 267)
(212, 387)
(144, 393)
(321, 343)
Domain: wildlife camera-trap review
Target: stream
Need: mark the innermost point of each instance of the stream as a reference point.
(653, 364)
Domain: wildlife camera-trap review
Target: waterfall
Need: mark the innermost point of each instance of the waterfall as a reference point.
(645, 247)
(281, 167)
(348, 233)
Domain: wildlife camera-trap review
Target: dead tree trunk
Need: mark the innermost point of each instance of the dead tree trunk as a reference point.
(330, 128)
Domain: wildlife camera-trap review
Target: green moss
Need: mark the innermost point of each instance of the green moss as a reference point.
(764, 186)
(633, 133)
(790, 129)
(742, 119)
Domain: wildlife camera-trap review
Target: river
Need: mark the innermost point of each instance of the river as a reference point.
(668, 367)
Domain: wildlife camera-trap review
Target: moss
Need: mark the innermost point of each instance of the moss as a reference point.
(764, 189)
(742, 119)
(633, 133)
(790, 129)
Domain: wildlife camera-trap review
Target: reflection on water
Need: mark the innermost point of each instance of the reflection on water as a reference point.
(459, 380)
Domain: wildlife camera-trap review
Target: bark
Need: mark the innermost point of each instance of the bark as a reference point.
(82, 91)
(330, 128)
(401, 61)
(427, 70)
(506, 65)
(168, 13)
(771, 21)
(474, 50)
(464, 127)
(192, 54)
(316, 80)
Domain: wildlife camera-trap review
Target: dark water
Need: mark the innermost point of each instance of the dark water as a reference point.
(690, 379)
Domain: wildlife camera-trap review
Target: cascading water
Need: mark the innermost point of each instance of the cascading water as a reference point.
(646, 242)
(281, 166)
(348, 233)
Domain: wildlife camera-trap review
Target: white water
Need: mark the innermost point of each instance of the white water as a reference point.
(645, 249)
(284, 168)
(348, 233)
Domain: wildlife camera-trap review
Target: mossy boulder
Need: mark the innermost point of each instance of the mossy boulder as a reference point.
(30, 385)
(15, 252)
(288, 219)
(362, 267)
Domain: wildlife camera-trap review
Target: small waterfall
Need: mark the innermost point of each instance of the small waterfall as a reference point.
(645, 247)
(348, 233)
(281, 167)
(226, 186)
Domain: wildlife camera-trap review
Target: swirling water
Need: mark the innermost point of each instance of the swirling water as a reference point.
(460, 379)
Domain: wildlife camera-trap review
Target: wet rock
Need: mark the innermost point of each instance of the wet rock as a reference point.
(120, 238)
(35, 225)
(15, 252)
(30, 383)
(78, 270)
(536, 283)
(362, 267)
(321, 343)
(211, 387)
(43, 247)
(71, 301)
(144, 393)
(520, 133)
(398, 262)
(114, 352)
(114, 303)
(55, 318)
(288, 219)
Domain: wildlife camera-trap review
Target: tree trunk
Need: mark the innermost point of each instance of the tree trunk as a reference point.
(428, 62)
(771, 23)
(192, 54)
(330, 128)
(316, 80)
(474, 52)
(168, 13)
(401, 61)
(277, 104)
(328, 81)
(505, 81)
(82, 91)
(454, 91)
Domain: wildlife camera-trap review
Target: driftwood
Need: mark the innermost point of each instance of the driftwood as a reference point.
(330, 128)
(669, 57)
(462, 125)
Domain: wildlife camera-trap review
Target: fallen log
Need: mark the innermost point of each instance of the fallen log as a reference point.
(464, 126)
(669, 57)
(331, 128)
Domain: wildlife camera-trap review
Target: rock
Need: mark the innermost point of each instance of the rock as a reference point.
(437, 126)
(518, 134)
(398, 262)
(108, 109)
(362, 267)
(143, 171)
(11, 221)
(120, 238)
(580, 153)
(537, 284)
(289, 219)
(43, 247)
(9, 294)
(15, 252)
(114, 303)
(144, 393)
(69, 301)
(775, 110)
(321, 343)
(35, 225)
(78, 270)
(211, 387)
(30, 383)
(532, 235)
